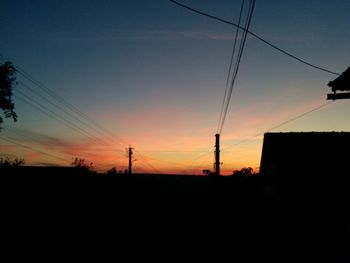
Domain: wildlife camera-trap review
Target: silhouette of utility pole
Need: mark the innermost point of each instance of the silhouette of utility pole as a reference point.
(217, 155)
(130, 154)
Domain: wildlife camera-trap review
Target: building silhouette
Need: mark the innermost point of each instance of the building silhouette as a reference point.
(305, 154)
(341, 83)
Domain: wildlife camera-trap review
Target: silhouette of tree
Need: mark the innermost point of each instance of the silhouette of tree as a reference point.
(112, 171)
(243, 172)
(18, 162)
(7, 162)
(80, 164)
(206, 172)
(7, 79)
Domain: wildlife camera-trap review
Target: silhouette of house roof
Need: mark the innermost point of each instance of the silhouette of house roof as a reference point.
(305, 153)
(342, 82)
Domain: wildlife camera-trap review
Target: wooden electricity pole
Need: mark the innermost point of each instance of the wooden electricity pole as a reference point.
(130, 154)
(217, 155)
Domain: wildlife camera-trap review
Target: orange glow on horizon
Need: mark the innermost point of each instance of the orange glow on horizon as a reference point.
(169, 150)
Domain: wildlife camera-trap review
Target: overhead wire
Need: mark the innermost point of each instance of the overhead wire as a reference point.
(230, 66)
(75, 124)
(301, 115)
(48, 114)
(68, 105)
(54, 115)
(20, 134)
(42, 108)
(282, 123)
(87, 125)
(74, 113)
(164, 161)
(146, 162)
(198, 157)
(65, 103)
(257, 37)
(32, 149)
(51, 114)
(238, 27)
(238, 61)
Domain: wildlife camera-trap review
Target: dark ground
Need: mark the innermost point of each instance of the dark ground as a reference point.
(300, 217)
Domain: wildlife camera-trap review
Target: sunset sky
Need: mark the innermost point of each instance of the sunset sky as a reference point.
(153, 76)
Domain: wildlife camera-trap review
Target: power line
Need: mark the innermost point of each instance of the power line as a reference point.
(168, 162)
(279, 125)
(78, 128)
(62, 101)
(32, 149)
(20, 134)
(147, 163)
(172, 151)
(300, 116)
(282, 123)
(56, 116)
(43, 109)
(256, 36)
(76, 113)
(87, 125)
(35, 150)
(198, 166)
(238, 61)
(59, 99)
(192, 165)
(230, 66)
(44, 112)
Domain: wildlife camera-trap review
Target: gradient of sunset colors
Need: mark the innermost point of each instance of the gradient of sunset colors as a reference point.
(153, 75)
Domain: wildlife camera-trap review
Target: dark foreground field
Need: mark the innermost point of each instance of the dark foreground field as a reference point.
(293, 215)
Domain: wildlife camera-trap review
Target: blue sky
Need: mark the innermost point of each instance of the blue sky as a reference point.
(154, 75)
